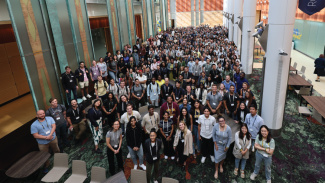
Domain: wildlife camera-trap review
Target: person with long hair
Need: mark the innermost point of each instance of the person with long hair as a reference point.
(103, 68)
(265, 145)
(183, 143)
(241, 113)
(185, 104)
(243, 90)
(109, 108)
(152, 148)
(186, 117)
(241, 149)
(166, 130)
(196, 111)
(134, 142)
(221, 134)
(94, 117)
(206, 123)
(114, 144)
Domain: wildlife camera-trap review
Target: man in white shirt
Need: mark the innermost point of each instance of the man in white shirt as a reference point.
(125, 118)
(149, 121)
(206, 123)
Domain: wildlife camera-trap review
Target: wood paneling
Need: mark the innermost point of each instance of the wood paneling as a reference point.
(6, 34)
(12, 49)
(19, 75)
(96, 23)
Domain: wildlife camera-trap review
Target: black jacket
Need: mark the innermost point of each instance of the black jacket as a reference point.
(246, 111)
(79, 74)
(166, 91)
(134, 135)
(66, 78)
(147, 146)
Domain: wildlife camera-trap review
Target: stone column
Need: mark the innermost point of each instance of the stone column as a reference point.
(247, 45)
(281, 24)
(197, 13)
(202, 11)
(192, 13)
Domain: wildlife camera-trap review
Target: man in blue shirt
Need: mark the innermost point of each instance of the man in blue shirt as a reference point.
(240, 81)
(254, 122)
(228, 83)
(43, 130)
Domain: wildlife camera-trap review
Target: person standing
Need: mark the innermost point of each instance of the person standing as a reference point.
(241, 149)
(206, 123)
(138, 93)
(101, 88)
(254, 123)
(166, 130)
(265, 146)
(170, 107)
(166, 90)
(153, 92)
(134, 141)
(242, 112)
(82, 74)
(103, 68)
(43, 130)
(183, 143)
(227, 82)
(214, 100)
(231, 102)
(58, 113)
(201, 94)
(196, 112)
(114, 144)
(123, 90)
(112, 68)
(76, 117)
(109, 108)
(178, 93)
(69, 84)
(150, 121)
(152, 147)
(94, 72)
(125, 118)
(95, 123)
(221, 134)
(319, 67)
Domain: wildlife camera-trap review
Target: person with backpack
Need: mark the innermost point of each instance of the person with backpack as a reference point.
(138, 92)
(153, 92)
(101, 88)
(82, 74)
(69, 83)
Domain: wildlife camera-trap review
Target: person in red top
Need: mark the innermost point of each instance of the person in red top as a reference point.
(172, 108)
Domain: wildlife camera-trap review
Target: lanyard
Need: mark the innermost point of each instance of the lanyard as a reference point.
(151, 120)
(172, 109)
(233, 98)
(46, 124)
(263, 143)
(251, 119)
(77, 112)
(127, 115)
(167, 89)
(164, 125)
(156, 148)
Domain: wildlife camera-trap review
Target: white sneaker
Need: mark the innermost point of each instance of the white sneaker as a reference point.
(88, 96)
(268, 181)
(155, 181)
(166, 157)
(135, 167)
(253, 176)
(128, 156)
(173, 157)
(203, 159)
(212, 159)
(143, 166)
(84, 98)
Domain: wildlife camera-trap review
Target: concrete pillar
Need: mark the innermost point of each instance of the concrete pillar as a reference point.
(202, 11)
(192, 13)
(247, 45)
(173, 11)
(197, 14)
(281, 24)
(238, 12)
(231, 26)
(224, 13)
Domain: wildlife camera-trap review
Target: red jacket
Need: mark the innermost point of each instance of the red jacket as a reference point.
(175, 112)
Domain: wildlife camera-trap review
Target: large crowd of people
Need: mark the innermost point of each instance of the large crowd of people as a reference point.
(193, 75)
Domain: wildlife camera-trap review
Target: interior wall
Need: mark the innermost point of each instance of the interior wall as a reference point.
(309, 37)
(4, 14)
(96, 9)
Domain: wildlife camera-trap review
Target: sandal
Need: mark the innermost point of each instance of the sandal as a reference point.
(242, 174)
(236, 171)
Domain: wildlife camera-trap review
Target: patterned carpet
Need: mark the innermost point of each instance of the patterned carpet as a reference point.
(298, 158)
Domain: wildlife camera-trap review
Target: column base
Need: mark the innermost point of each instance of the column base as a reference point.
(276, 132)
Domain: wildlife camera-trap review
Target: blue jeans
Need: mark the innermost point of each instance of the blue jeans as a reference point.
(243, 163)
(196, 138)
(267, 163)
(74, 91)
(134, 155)
(112, 75)
(136, 58)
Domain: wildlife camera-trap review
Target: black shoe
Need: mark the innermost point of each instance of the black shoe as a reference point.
(102, 141)
(317, 80)
(98, 151)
